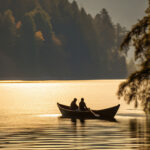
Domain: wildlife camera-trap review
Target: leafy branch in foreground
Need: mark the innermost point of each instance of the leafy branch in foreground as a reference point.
(137, 87)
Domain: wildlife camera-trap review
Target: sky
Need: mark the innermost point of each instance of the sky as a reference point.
(125, 12)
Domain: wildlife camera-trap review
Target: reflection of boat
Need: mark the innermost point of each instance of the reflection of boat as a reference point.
(108, 113)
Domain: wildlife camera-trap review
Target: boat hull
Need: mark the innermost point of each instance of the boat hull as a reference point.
(108, 113)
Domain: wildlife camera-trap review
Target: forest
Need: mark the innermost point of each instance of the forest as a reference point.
(56, 39)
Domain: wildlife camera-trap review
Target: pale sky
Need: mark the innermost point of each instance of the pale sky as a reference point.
(126, 12)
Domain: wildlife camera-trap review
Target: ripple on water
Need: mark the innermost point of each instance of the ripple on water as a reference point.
(61, 134)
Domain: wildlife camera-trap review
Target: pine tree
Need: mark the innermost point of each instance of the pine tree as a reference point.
(137, 88)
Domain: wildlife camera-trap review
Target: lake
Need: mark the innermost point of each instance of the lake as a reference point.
(30, 119)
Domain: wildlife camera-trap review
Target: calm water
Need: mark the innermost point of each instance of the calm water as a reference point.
(30, 119)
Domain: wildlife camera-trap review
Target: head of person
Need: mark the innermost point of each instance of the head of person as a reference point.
(75, 99)
(82, 99)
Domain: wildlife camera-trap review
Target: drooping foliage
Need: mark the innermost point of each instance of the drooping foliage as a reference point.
(55, 39)
(137, 87)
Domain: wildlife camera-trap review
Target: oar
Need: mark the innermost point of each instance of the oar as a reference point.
(95, 114)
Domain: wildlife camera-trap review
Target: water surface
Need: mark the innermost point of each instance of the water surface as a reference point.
(30, 119)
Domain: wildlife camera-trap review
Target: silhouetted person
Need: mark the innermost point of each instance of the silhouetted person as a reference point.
(73, 104)
(82, 105)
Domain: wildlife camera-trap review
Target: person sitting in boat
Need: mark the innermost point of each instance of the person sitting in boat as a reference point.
(73, 104)
(82, 105)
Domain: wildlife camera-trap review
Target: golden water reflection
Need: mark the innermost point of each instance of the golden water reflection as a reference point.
(30, 119)
(141, 132)
(41, 97)
(58, 133)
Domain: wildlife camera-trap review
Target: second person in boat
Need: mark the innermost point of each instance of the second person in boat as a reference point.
(82, 105)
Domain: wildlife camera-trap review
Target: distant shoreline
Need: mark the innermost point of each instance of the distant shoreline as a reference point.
(54, 81)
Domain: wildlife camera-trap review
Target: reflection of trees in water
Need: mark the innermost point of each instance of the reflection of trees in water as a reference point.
(140, 131)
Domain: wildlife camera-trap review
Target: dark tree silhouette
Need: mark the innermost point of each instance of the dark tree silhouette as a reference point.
(137, 88)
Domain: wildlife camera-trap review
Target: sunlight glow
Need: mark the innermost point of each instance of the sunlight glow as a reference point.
(50, 115)
(41, 97)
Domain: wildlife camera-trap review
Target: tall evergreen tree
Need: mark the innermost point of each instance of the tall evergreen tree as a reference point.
(8, 39)
(8, 32)
(27, 44)
(137, 87)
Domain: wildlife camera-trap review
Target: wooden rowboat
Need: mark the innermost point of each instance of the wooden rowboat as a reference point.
(108, 113)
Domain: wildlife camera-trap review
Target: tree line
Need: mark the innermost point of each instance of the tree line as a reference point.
(55, 39)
